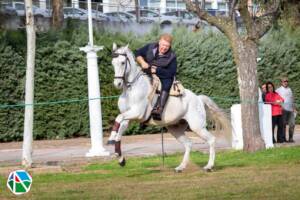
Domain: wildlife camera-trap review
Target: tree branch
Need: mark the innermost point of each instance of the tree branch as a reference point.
(222, 23)
(264, 22)
(232, 6)
(247, 19)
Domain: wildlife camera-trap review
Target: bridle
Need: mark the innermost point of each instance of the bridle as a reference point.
(128, 83)
(115, 55)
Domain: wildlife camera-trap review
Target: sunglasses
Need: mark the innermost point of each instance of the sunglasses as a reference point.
(285, 81)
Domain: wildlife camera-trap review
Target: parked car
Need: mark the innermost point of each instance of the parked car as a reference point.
(82, 14)
(75, 13)
(19, 7)
(179, 16)
(215, 12)
(122, 16)
(127, 17)
(6, 9)
(147, 14)
(102, 17)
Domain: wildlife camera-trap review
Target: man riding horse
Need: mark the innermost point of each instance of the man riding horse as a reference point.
(134, 103)
(158, 58)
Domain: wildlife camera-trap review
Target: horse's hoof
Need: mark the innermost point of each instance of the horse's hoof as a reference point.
(122, 161)
(208, 170)
(178, 170)
(111, 142)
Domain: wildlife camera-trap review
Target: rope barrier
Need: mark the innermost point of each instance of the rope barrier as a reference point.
(229, 99)
(55, 102)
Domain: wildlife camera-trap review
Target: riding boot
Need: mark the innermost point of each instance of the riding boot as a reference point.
(157, 112)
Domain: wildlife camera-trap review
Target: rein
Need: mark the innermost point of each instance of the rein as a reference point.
(128, 83)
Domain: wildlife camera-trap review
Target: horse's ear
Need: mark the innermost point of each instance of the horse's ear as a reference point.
(114, 47)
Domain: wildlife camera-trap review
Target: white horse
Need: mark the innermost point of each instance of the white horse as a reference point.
(179, 113)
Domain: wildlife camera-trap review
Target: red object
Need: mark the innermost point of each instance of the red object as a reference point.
(271, 98)
(116, 126)
(16, 179)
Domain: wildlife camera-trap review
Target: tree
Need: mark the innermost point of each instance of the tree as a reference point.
(29, 86)
(291, 12)
(244, 44)
(57, 14)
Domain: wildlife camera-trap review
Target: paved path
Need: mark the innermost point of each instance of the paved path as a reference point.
(57, 152)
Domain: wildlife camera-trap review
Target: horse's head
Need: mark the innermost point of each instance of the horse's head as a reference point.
(122, 64)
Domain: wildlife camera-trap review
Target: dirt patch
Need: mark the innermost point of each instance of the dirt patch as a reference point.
(86, 142)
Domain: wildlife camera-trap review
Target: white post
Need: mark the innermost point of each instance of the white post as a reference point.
(95, 113)
(90, 22)
(236, 124)
(265, 122)
(29, 86)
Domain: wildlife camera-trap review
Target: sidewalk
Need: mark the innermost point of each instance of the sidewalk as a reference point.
(60, 152)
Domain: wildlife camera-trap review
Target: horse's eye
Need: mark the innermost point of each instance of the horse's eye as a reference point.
(123, 63)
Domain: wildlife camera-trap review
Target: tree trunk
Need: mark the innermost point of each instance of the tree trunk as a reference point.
(291, 12)
(57, 14)
(29, 86)
(245, 54)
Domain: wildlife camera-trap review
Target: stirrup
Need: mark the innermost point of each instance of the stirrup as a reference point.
(156, 117)
(155, 111)
(156, 114)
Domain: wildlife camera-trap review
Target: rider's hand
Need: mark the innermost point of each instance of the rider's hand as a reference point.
(153, 70)
(145, 65)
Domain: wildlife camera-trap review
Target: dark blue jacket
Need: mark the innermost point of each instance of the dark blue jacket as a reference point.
(166, 64)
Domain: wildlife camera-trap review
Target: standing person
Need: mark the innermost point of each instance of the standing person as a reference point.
(263, 92)
(275, 100)
(288, 107)
(158, 58)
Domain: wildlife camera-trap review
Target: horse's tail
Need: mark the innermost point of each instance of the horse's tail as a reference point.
(220, 119)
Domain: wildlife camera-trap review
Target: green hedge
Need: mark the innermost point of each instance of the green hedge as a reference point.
(205, 65)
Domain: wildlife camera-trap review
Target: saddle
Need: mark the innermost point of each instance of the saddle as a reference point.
(177, 89)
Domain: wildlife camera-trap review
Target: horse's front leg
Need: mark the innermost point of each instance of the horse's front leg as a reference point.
(121, 122)
(117, 131)
(120, 125)
(115, 138)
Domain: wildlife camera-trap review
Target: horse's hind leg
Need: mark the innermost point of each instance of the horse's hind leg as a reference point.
(178, 132)
(211, 140)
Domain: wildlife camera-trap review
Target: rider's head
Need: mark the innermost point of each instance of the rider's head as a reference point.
(165, 42)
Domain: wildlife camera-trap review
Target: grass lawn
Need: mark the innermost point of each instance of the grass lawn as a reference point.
(270, 174)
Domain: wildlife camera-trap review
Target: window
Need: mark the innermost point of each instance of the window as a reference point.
(19, 6)
(222, 6)
(171, 14)
(147, 13)
(207, 5)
